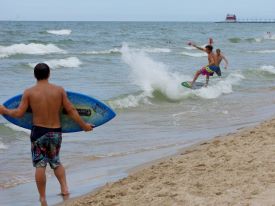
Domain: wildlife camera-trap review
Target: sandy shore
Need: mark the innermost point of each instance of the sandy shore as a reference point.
(238, 169)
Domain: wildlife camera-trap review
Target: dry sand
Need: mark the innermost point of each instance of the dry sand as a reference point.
(238, 169)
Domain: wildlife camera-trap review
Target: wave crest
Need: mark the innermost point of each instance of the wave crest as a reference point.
(32, 48)
(60, 32)
(118, 51)
(71, 62)
(158, 84)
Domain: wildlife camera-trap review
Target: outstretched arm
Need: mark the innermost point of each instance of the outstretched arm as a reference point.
(20, 110)
(197, 47)
(72, 112)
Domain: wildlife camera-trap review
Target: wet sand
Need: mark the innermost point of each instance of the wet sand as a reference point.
(236, 169)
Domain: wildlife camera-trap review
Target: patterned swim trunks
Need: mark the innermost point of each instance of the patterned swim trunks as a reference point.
(45, 146)
(206, 71)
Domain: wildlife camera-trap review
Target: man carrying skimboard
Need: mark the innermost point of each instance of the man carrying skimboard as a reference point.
(46, 101)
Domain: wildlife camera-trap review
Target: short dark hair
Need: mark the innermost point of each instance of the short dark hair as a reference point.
(41, 71)
(209, 47)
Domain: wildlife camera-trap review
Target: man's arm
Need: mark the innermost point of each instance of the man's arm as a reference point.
(197, 47)
(72, 112)
(226, 61)
(20, 110)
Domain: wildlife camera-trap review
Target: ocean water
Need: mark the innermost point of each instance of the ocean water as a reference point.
(136, 68)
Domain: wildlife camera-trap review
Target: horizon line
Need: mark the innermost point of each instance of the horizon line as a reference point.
(194, 21)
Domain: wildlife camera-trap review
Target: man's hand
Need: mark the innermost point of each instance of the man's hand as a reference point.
(210, 42)
(191, 44)
(88, 127)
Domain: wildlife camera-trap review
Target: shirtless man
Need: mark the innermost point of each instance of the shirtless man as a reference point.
(210, 68)
(218, 59)
(46, 101)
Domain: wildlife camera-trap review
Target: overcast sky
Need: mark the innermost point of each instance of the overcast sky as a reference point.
(138, 10)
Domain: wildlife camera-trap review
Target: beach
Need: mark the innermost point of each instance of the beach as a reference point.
(236, 169)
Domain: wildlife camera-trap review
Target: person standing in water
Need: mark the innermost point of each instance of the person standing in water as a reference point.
(214, 61)
(218, 59)
(46, 101)
(208, 70)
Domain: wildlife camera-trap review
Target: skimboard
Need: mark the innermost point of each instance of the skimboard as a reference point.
(196, 85)
(90, 109)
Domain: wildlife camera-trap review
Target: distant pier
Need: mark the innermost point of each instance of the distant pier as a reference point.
(258, 21)
(232, 18)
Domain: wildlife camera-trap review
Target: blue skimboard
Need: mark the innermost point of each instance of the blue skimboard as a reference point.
(196, 85)
(91, 111)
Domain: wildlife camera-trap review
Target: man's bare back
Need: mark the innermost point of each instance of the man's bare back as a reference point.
(45, 100)
(211, 59)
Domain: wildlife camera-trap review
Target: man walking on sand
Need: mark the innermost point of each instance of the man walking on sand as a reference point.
(46, 101)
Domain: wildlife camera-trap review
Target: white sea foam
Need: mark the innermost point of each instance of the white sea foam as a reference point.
(151, 76)
(118, 51)
(269, 37)
(194, 54)
(131, 101)
(268, 68)
(267, 51)
(258, 39)
(17, 129)
(60, 32)
(32, 48)
(222, 86)
(110, 51)
(3, 146)
(155, 50)
(71, 62)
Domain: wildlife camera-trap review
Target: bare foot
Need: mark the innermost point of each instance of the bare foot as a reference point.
(64, 193)
(65, 196)
(43, 202)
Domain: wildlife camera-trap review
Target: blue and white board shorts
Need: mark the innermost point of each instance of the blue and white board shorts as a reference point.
(45, 146)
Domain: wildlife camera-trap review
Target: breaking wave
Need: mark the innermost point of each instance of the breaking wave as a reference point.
(60, 32)
(16, 128)
(118, 51)
(267, 51)
(268, 68)
(3, 146)
(32, 48)
(157, 83)
(71, 62)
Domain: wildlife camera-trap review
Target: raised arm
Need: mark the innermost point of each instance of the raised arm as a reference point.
(20, 110)
(73, 114)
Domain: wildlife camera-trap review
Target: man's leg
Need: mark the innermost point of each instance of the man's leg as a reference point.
(196, 77)
(207, 80)
(40, 178)
(61, 176)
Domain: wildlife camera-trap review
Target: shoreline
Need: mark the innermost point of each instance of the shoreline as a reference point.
(232, 169)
